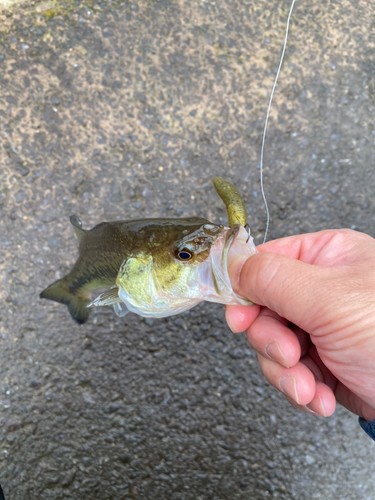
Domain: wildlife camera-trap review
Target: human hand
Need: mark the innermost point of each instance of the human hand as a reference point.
(314, 327)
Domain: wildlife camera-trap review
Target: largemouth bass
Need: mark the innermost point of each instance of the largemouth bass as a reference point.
(155, 267)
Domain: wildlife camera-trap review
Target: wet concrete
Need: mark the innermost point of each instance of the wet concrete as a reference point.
(115, 110)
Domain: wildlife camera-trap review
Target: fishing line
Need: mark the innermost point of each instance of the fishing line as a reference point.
(266, 120)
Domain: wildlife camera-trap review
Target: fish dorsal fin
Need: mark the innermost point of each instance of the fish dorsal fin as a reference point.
(108, 298)
(77, 226)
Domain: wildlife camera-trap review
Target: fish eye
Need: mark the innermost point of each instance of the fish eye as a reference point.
(183, 254)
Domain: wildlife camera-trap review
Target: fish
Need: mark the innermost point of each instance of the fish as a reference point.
(155, 267)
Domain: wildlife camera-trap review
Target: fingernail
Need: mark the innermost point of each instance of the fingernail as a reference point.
(310, 411)
(322, 407)
(235, 268)
(320, 404)
(274, 352)
(229, 324)
(230, 327)
(288, 386)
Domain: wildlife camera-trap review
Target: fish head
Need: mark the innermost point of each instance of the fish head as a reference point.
(174, 273)
(194, 246)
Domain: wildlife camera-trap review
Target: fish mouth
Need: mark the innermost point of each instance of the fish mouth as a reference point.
(233, 241)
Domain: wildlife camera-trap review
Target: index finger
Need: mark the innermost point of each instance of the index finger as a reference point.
(307, 247)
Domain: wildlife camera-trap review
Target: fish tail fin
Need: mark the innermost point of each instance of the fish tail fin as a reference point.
(77, 304)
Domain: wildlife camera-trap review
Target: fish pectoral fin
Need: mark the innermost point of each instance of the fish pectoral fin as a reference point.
(107, 298)
(77, 226)
(120, 309)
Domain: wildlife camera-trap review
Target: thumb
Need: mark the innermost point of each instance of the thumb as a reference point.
(295, 290)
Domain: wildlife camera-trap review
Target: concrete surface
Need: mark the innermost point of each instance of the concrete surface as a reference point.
(115, 110)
